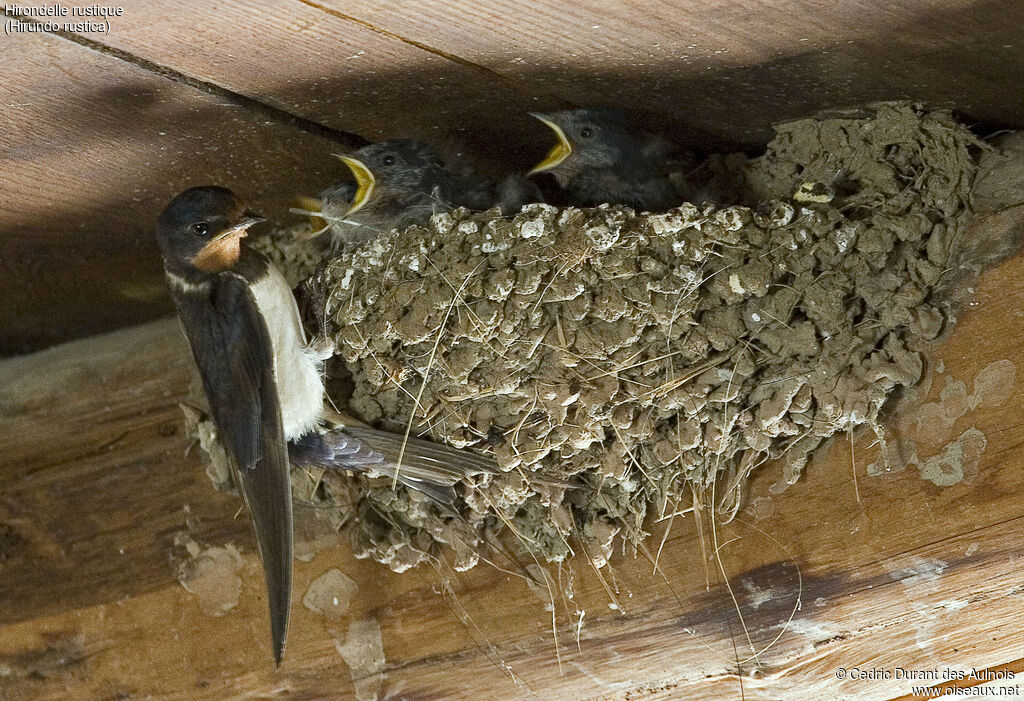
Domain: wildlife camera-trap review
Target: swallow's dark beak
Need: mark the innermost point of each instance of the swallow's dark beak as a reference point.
(221, 252)
(241, 228)
(251, 218)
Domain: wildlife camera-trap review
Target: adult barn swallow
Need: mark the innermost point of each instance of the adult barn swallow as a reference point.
(262, 384)
(599, 159)
(399, 183)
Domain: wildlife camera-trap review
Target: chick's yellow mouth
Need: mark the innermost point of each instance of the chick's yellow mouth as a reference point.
(557, 154)
(365, 182)
(312, 208)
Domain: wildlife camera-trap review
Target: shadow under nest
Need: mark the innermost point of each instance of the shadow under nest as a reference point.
(623, 366)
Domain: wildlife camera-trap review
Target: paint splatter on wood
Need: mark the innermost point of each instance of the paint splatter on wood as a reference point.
(211, 574)
(363, 652)
(330, 594)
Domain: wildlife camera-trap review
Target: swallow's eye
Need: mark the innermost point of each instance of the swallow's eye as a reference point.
(389, 160)
(201, 229)
(586, 132)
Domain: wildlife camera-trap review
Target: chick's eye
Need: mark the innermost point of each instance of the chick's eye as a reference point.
(586, 132)
(389, 160)
(201, 229)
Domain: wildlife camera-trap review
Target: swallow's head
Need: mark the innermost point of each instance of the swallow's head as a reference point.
(398, 164)
(203, 228)
(587, 138)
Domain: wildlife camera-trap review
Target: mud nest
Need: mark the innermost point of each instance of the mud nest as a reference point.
(647, 361)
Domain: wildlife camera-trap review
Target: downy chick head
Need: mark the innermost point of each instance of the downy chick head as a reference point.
(591, 138)
(392, 181)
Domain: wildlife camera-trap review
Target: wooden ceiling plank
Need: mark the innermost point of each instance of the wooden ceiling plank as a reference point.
(315, 61)
(251, 104)
(714, 67)
(93, 148)
(733, 68)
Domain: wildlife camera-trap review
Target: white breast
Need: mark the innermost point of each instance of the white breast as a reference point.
(298, 372)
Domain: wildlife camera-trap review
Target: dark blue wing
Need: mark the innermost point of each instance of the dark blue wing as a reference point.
(232, 348)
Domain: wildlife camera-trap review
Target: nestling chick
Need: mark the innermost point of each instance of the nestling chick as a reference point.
(397, 183)
(599, 159)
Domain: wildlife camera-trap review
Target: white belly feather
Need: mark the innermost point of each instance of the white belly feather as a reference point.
(298, 372)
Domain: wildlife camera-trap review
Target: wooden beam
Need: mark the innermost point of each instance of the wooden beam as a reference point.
(125, 574)
(94, 147)
(726, 68)
(715, 66)
(100, 129)
(317, 61)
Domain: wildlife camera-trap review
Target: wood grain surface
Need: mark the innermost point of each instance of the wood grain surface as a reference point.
(123, 574)
(727, 68)
(730, 69)
(323, 64)
(92, 149)
(101, 128)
